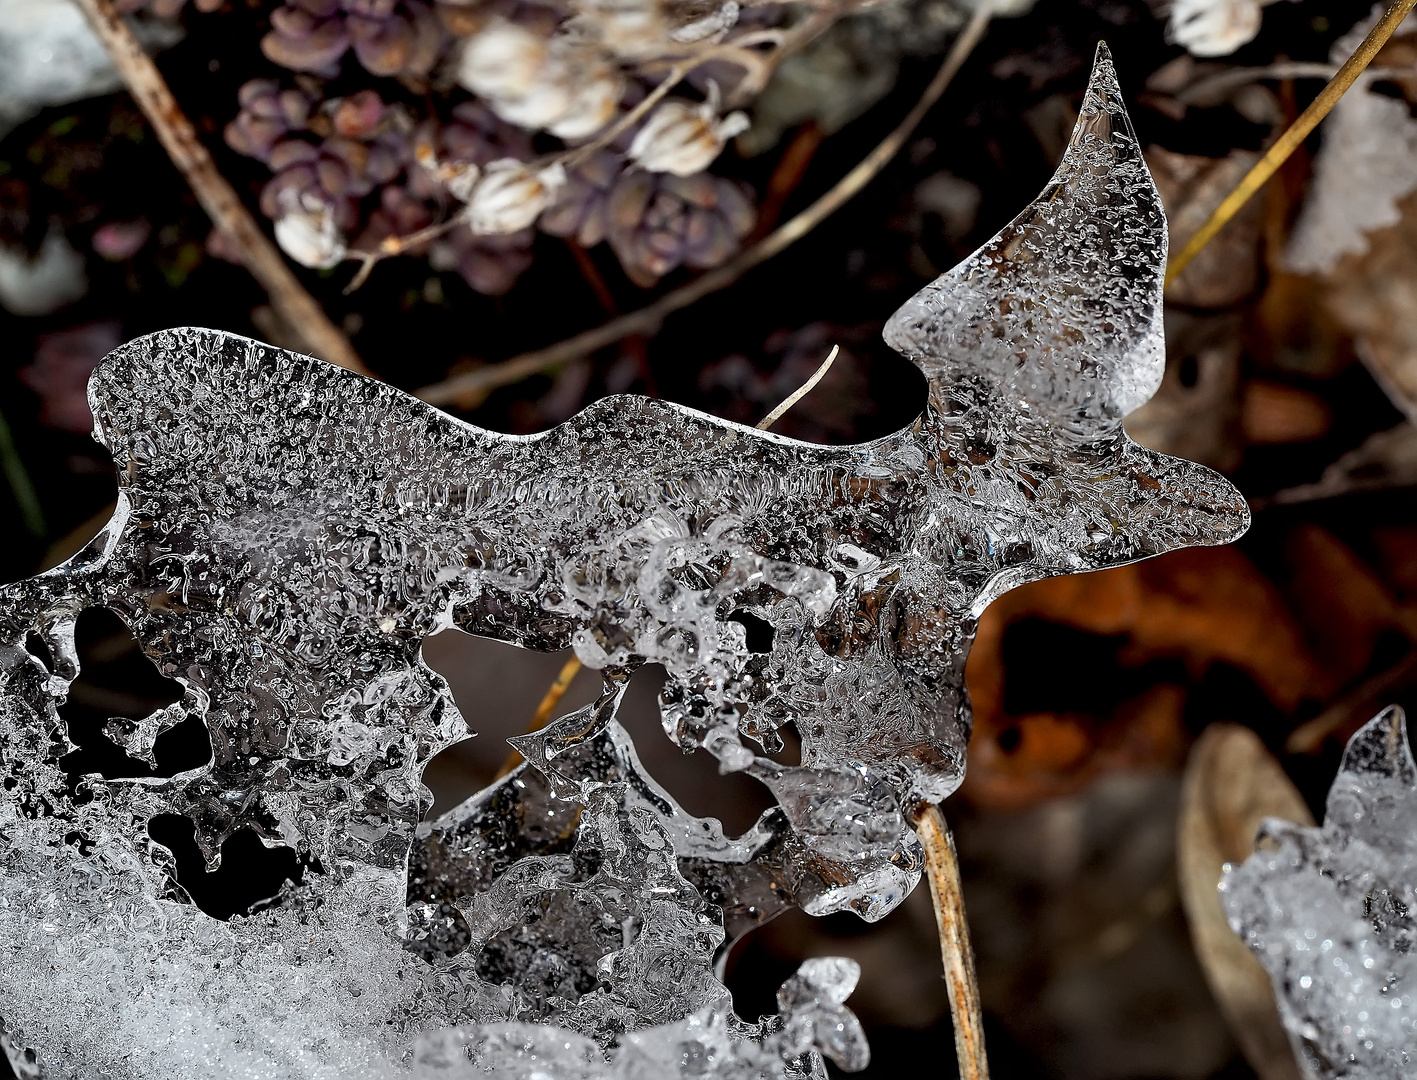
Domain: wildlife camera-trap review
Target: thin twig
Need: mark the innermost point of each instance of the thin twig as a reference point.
(397, 245)
(1211, 87)
(646, 320)
(290, 299)
(1292, 138)
(942, 870)
(797, 395)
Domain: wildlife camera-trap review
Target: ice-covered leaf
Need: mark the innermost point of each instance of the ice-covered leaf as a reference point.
(1329, 912)
(287, 534)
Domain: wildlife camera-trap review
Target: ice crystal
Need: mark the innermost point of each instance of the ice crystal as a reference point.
(287, 534)
(1329, 912)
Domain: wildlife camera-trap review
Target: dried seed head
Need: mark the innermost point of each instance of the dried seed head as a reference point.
(1213, 27)
(503, 60)
(701, 27)
(683, 139)
(557, 84)
(593, 105)
(306, 231)
(511, 195)
(462, 180)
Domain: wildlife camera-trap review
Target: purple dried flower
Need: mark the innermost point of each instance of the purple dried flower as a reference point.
(336, 173)
(268, 114)
(307, 35)
(390, 37)
(658, 221)
(394, 38)
(60, 373)
(582, 208)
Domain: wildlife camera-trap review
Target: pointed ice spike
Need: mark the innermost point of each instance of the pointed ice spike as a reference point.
(1061, 311)
(1380, 748)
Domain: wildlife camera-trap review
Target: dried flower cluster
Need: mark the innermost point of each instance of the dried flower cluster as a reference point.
(630, 103)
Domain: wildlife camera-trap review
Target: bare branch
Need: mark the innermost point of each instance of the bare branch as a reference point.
(290, 299)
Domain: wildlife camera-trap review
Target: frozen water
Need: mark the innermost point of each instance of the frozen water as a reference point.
(1329, 912)
(287, 534)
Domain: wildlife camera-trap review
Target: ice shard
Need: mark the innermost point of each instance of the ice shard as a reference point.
(1329, 912)
(286, 535)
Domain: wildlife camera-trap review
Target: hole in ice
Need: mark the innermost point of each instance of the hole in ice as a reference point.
(758, 630)
(692, 779)
(249, 874)
(117, 687)
(35, 646)
(497, 688)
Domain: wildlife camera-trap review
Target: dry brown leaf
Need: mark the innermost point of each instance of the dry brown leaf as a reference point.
(1275, 413)
(1195, 413)
(1232, 783)
(1227, 270)
(1374, 297)
(1340, 601)
(1202, 606)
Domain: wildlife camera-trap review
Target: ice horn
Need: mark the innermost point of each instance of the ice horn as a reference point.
(1061, 311)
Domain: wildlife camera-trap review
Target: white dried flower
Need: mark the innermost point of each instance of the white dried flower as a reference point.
(306, 231)
(511, 194)
(1213, 27)
(503, 60)
(683, 139)
(462, 180)
(717, 22)
(593, 106)
(558, 85)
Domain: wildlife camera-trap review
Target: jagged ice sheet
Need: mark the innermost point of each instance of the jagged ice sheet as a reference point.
(1329, 912)
(287, 534)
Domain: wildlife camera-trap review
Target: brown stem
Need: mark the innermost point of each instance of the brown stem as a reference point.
(647, 319)
(290, 299)
(942, 870)
(791, 167)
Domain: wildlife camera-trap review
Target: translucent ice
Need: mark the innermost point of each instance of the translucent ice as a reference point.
(287, 534)
(1329, 913)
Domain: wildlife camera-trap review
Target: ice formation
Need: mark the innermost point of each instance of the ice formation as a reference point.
(1329, 912)
(286, 535)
